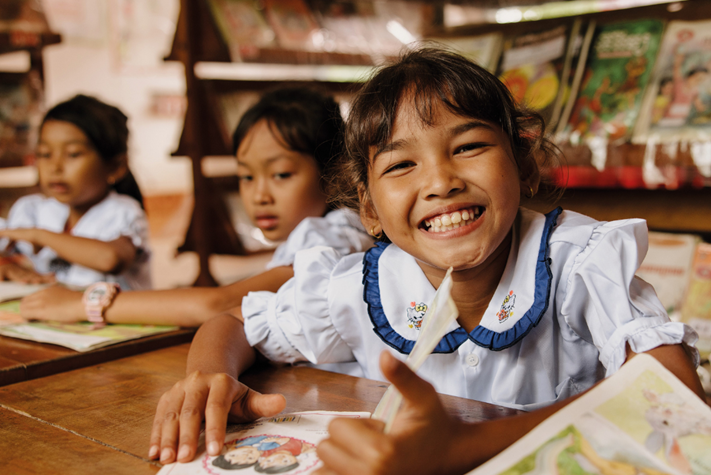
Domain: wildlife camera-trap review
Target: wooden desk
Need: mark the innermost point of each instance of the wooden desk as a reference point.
(101, 416)
(22, 360)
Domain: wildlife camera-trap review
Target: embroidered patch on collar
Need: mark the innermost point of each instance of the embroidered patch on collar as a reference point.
(415, 314)
(507, 307)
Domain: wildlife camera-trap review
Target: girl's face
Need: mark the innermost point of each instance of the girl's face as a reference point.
(279, 187)
(70, 170)
(446, 194)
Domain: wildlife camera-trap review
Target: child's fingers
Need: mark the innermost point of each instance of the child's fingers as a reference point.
(361, 439)
(263, 405)
(165, 435)
(337, 459)
(223, 391)
(197, 397)
(414, 389)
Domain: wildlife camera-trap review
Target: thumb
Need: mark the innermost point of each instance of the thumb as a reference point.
(414, 389)
(263, 405)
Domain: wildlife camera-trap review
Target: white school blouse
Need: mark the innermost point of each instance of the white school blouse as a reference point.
(340, 229)
(567, 304)
(115, 216)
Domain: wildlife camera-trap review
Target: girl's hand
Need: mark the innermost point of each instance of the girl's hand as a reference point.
(32, 235)
(420, 442)
(54, 303)
(17, 273)
(215, 397)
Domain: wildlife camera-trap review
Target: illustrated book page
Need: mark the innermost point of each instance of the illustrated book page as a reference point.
(641, 420)
(83, 336)
(677, 105)
(282, 444)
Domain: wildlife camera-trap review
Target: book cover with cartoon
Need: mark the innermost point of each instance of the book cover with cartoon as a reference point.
(678, 103)
(642, 420)
(282, 444)
(532, 67)
(618, 70)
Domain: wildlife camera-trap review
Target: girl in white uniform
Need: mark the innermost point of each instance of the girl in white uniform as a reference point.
(282, 145)
(88, 225)
(439, 159)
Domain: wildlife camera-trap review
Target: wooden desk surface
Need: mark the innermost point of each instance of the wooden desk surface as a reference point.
(22, 360)
(102, 415)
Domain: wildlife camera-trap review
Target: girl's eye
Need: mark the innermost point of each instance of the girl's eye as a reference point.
(469, 147)
(244, 178)
(398, 166)
(282, 176)
(42, 155)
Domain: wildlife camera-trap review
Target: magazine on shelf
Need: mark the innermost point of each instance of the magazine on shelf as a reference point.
(242, 27)
(21, 109)
(535, 67)
(293, 22)
(281, 444)
(696, 310)
(485, 50)
(667, 266)
(83, 336)
(677, 105)
(641, 420)
(611, 86)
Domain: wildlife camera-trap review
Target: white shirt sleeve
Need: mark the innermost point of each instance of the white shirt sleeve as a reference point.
(604, 303)
(294, 323)
(340, 229)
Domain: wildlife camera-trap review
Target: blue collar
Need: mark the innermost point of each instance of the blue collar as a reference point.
(480, 335)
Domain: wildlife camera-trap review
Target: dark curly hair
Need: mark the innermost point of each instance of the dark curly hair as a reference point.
(429, 77)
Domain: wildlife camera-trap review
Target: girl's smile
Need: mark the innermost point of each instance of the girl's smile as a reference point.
(446, 192)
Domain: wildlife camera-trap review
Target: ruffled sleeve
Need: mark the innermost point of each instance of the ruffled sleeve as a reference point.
(340, 229)
(605, 304)
(294, 323)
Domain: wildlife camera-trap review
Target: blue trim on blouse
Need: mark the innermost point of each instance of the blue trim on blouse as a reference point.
(480, 335)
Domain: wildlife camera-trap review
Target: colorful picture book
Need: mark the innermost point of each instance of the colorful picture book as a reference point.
(532, 67)
(242, 27)
(677, 105)
(81, 337)
(485, 50)
(642, 420)
(667, 266)
(282, 444)
(618, 69)
(696, 310)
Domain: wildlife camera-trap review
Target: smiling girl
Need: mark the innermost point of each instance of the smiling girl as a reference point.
(282, 144)
(438, 161)
(88, 225)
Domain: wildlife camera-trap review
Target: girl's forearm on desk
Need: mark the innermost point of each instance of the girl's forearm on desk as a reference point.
(190, 307)
(110, 257)
(220, 346)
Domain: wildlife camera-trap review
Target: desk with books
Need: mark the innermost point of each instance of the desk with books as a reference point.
(98, 419)
(22, 360)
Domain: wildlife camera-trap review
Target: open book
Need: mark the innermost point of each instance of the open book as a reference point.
(81, 337)
(282, 444)
(642, 420)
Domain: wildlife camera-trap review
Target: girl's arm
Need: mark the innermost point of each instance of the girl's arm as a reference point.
(425, 439)
(218, 354)
(16, 273)
(185, 307)
(108, 257)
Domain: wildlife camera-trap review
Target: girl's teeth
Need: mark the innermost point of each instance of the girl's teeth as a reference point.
(447, 222)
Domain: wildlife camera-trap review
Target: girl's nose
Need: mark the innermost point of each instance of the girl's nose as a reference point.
(441, 180)
(262, 193)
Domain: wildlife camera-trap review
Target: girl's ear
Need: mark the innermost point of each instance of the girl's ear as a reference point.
(119, 169)
(530, 176)
(368, 215)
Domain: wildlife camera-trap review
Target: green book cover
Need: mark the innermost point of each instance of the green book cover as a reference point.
(618, 70)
